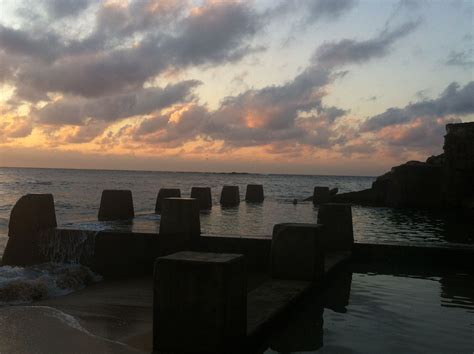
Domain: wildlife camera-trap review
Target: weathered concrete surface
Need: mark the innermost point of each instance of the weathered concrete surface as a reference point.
(254, 193)
(321, 195)
(265, 301)
(297, 252)
(180, 216)
(31, 218)
(204, 197)
(230, 196)
(200, 302)
(116, 205)
(166, 193)
(338, 231)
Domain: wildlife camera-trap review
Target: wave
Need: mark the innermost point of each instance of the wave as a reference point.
(20, 285)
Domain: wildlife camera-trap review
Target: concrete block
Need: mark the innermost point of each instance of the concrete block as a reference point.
(180, 216)
(230, 196)
(166, 193)
(254, 193)
(31, 217)
(204, 197)
(200, 303)
(338, 231)
(116, 205)
(297, 252)
(321, 195)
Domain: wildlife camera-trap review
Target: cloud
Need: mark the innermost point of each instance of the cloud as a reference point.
(453, 101)
(129, 46)
(350, 51)
(329, 9)
(17, 127)
(42, 46)
(313, 10)
(65, 8)
(215, 33)
(463, 58)
(75, 110)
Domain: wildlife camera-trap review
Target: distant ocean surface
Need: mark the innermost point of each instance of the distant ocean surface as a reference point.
(77, 198)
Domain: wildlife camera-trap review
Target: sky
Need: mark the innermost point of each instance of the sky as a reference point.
(335, 87)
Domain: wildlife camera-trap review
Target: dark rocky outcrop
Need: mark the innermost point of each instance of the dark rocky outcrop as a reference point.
(32, 217)
(445, 180)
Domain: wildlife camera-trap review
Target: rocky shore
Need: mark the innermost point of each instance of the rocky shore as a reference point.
(441, 181)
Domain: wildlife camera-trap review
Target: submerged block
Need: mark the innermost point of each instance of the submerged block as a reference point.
(321, 195)
(337, 221)
(180, 216)
(230, 196)
(30, 218)
(254, 193)
(204, 197)
(116, 205)
(200, 303)
(297, 251)
(166, 193)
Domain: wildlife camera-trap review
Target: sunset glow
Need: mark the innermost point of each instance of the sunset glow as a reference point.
(232, 85)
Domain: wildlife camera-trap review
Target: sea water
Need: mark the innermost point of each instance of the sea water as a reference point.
(77, 197)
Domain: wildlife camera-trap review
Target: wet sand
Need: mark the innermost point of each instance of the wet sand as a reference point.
(114, 316)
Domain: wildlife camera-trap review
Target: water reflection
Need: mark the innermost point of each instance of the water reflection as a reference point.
(304, 330)
(456, 292)
(373, 313)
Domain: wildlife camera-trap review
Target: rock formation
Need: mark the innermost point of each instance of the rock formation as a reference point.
(445, 180)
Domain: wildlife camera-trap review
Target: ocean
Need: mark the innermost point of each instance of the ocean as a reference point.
(77, 198)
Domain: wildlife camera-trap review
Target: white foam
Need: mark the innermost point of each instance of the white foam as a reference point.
(20, 285)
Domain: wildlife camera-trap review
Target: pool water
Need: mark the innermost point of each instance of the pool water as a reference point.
(380, 313)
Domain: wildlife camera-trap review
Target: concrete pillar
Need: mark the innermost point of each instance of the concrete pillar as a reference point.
(30, 218)
(204, 197)
(116, 205)
(338, 231)
(230, 196)
(254, 193)
(297, 252)
(321, 195)
(180, 216)
(200, 303)
(166, 193)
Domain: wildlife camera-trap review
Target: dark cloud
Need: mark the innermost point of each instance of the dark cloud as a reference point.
(314, 10)
(453, 101)
(463, 58)
(218, 33)
(74, 110)
(65, 8)
(350, 51)
(42, 46)
(329, 9)
(129, 46)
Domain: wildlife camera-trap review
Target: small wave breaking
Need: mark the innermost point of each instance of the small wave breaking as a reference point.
(21, 285)
(63, 274)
